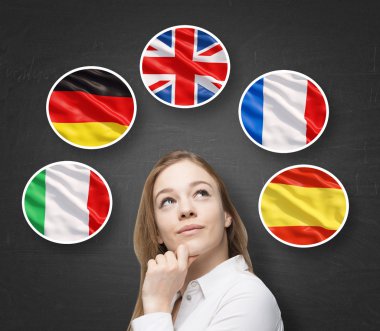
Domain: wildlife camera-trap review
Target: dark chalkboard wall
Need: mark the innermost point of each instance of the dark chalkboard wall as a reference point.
(93, 285)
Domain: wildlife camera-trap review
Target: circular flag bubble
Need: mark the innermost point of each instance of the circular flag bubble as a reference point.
(283, 111)
(91, 107)
(184, 66)
(303, 206)
(67, 202)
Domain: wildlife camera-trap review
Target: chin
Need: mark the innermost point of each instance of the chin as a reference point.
(196, 248)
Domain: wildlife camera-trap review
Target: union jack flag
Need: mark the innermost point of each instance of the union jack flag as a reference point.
(185, 66)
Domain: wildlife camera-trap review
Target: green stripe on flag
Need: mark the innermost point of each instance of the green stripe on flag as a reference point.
(35, 201)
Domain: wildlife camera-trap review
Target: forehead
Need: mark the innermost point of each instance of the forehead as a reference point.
(181, 174)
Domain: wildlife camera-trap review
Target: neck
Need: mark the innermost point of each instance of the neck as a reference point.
(206, 262)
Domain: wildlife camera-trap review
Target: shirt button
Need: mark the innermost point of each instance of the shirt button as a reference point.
(188, 297)
(193, 284)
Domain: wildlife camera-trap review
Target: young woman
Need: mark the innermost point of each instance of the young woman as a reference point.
(196, 273)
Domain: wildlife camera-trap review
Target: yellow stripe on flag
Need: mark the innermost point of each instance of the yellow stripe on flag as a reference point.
(90, 133)
(288, 205)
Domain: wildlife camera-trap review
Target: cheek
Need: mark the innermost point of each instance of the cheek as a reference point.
(213, 219)
(213, 216)
(165, 225)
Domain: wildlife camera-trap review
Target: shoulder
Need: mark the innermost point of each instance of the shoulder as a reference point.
(251, 289)
(248, 301)
(251, 282)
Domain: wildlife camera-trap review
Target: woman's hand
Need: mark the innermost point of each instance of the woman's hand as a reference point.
(164, 278)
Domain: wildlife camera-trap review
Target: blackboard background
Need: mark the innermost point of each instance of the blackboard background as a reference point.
(93, 285)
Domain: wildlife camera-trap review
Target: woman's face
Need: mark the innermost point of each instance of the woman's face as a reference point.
(185, 194)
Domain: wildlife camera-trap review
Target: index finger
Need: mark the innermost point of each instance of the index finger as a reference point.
(182, 256)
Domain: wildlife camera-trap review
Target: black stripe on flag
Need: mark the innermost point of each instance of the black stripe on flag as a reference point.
(94, 81)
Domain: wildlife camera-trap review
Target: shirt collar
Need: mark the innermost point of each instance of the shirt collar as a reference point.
(221, 274)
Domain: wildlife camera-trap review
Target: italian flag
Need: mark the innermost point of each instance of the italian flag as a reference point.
(67, 202)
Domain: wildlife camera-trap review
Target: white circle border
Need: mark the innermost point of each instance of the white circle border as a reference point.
(82, 165)
(193, 27)
(308, 166)
(85, 68)
(293, 150)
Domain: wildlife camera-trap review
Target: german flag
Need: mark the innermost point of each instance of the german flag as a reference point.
(303, 206)
(91, 108)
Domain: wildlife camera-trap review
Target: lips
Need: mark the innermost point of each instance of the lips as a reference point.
(190, 227)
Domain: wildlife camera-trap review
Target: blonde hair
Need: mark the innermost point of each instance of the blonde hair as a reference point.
(145, 239)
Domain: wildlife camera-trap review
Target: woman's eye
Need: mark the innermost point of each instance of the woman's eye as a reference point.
(202, 192)
(166, 201)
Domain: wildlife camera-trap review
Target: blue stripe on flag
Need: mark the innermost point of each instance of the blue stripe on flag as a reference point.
(252, 111)
(204, 40)
(203, 94)
(165, 94)
(166, 38)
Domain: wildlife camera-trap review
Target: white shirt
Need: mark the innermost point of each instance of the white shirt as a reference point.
(228, 298)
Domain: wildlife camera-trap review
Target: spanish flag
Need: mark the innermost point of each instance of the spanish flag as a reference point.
(91, 108)
(303, 206)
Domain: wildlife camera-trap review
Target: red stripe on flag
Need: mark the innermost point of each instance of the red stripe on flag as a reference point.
(98, 203)
(306, 177)
(217, 85)
(301, 235)
(315, 112)
(79, 107)
(213, 50)
(184, 49)
(158, 84)
(172, 65)
(151, 48)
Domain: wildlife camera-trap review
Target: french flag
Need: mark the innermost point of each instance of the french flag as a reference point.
(283, 111)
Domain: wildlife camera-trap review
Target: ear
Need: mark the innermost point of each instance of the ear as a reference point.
(227, 219)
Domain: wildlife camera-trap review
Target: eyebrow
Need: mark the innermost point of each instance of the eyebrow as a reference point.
(167, 190)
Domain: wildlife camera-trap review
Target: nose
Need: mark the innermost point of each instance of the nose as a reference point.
(186, 210)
